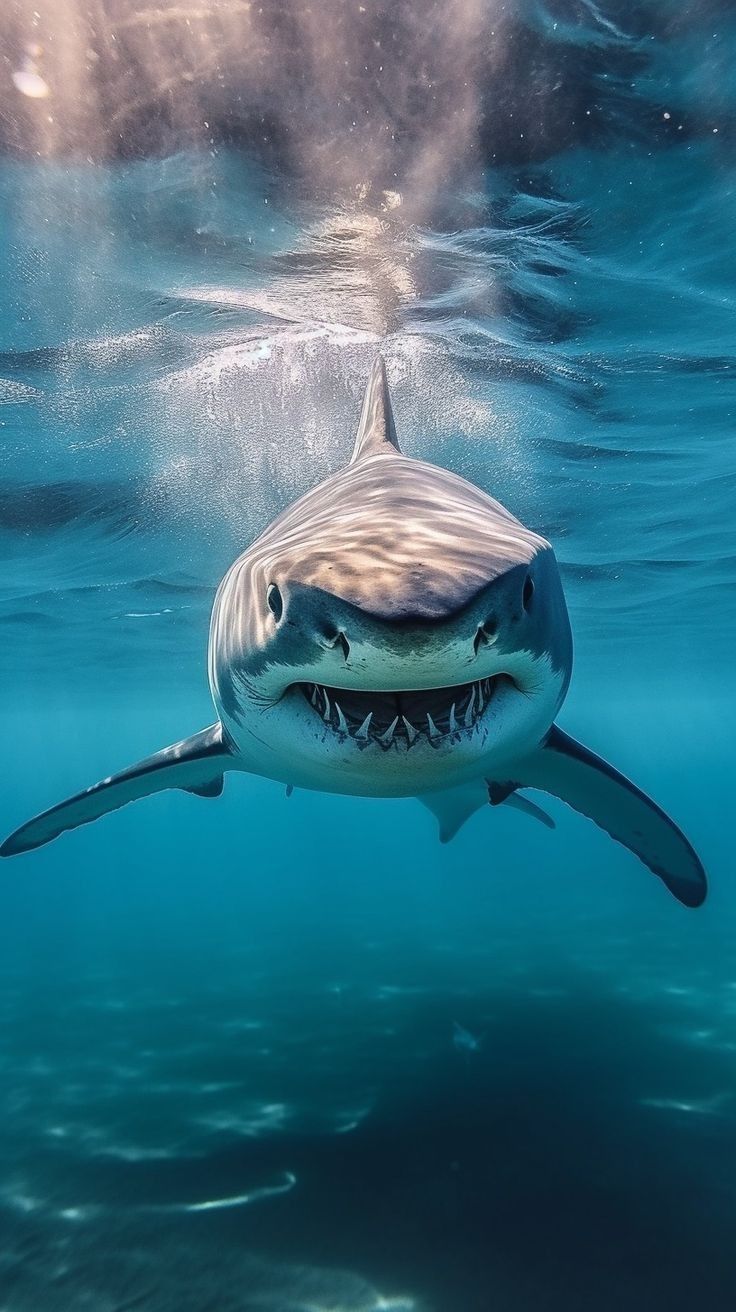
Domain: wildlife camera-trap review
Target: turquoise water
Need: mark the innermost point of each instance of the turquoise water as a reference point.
(231, 1075)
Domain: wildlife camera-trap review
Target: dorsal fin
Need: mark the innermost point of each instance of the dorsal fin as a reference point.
(376, 430)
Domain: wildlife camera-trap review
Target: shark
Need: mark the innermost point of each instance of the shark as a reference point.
(395, 632)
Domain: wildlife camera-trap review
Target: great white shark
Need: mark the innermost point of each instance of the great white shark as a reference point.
(395, 633)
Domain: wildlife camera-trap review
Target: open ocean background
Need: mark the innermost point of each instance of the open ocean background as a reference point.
(229, 1075)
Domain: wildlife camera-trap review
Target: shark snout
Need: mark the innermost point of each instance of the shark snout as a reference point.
(426, 640)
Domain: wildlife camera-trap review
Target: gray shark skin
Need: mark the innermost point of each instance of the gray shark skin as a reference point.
(395, 633)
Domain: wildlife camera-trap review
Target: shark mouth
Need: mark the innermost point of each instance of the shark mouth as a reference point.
(434, 715)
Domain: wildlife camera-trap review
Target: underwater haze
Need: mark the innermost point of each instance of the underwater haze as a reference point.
(290, 1054)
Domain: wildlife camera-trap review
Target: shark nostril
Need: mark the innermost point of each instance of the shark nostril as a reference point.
(528, 593)
(485, 633)
(275, 601)
(333, 640)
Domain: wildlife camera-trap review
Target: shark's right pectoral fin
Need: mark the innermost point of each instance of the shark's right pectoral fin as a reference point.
(196, 764)
(590, 785)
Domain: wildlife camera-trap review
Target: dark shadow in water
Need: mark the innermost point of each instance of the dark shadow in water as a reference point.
(552, 1169)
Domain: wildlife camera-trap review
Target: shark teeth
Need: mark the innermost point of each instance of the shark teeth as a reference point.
(468, 717)
(386, 738)
(362, 732)
(411, 732)
(402, 719)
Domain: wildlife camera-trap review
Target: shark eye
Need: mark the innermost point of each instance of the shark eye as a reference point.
(275, 601)
(528, 592)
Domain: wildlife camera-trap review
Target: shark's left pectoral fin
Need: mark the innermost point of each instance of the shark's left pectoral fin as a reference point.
(196, 764)
(590, 785)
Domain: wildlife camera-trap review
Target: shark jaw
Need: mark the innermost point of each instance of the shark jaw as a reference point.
(378, 736)
(400, 721)
(393, 719)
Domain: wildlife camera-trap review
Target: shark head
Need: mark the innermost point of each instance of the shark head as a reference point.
(395, 630)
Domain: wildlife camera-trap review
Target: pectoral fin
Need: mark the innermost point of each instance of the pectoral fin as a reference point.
(591, 786)
(196, 764)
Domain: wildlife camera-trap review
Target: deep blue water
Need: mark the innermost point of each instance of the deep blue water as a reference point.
(230, 1075)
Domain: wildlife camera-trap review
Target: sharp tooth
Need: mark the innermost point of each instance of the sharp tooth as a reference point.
(468, 717)
(387, 737)
(362, 732)
(326, 712)
(342, 723)
(313, 698)
(411, 732)
(480, 699)
(453, 721)
(432, 727)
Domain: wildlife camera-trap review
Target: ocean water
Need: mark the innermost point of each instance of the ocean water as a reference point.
(235, 1066)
